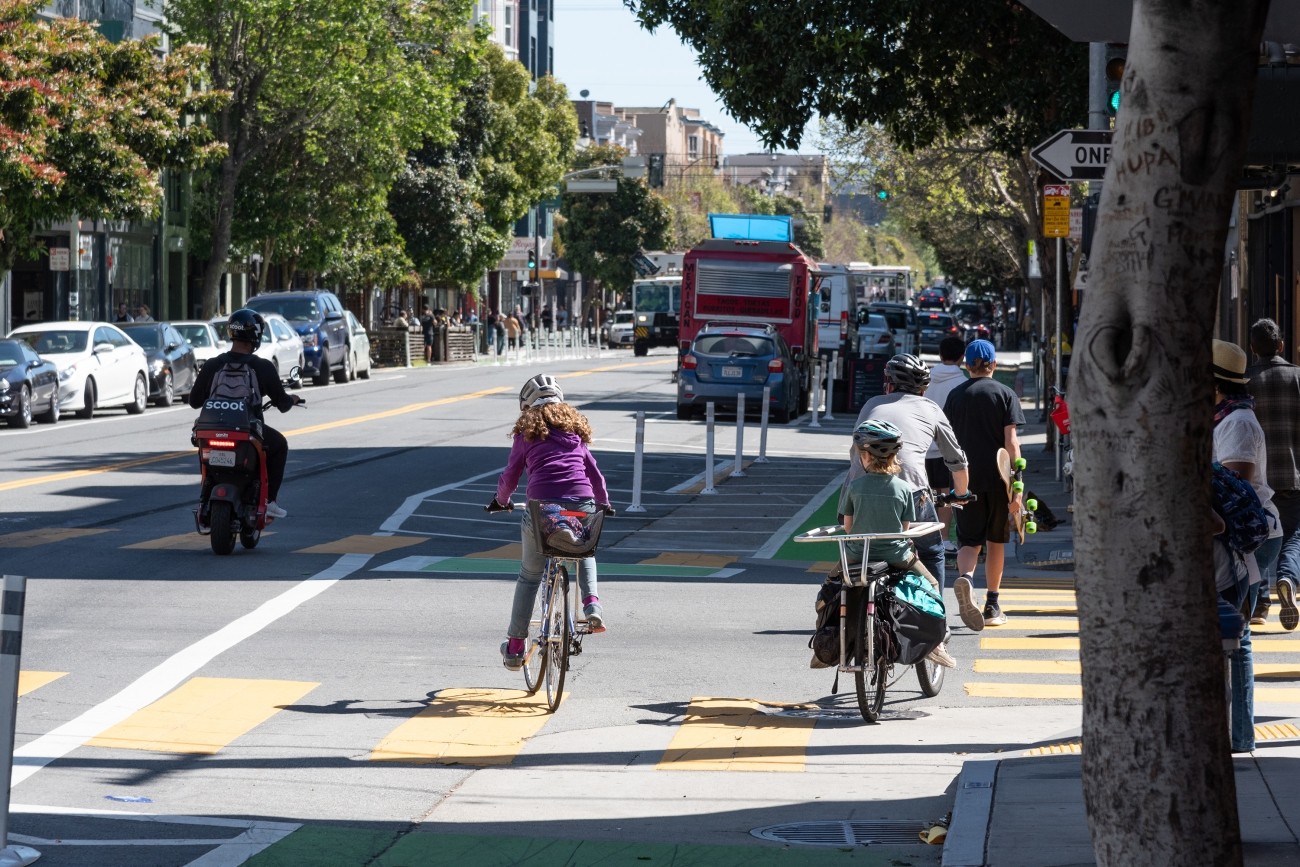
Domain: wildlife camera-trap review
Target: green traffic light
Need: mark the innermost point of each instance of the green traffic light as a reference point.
(1114, 102)
(883, 195)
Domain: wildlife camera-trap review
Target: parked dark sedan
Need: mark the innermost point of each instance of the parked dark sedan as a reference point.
(173, 366)
(28, 383)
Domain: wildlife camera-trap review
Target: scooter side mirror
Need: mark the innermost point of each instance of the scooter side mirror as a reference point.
(295, 377)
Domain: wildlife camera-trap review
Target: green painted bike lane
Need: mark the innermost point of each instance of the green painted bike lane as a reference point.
(315, 846)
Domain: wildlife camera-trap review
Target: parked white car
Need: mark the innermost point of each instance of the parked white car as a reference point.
(358, 345)
(281, 345)
(203, 336)
(99, 366)
(620, 330)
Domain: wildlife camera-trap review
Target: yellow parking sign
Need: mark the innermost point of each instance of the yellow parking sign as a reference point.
(1056, 211)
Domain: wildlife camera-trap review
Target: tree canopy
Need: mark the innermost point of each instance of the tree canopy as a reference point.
(87, 124)
(921, 70)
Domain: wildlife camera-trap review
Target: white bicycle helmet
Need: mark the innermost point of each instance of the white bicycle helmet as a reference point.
(539, 391)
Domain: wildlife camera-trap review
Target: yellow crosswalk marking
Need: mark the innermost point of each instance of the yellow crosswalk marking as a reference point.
(1277, 670)
(512, 551)
(44, 536)
(736, 734)
(1039, 624)
(1067, 747)
(363, 545)
(1276, 694)
(1011, 643)
(1028, 666)
(31, 680)
(1034, 593)
(1027, 690)
(179, 542)
(686, 558)
(1011, 609)
(466, 727)
(202, 715)
(1272, 645)
(1265, 732)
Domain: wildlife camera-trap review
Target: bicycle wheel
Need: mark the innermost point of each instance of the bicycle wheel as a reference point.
(872, 666)
(557, 638)
(930, 674)
(538, 646)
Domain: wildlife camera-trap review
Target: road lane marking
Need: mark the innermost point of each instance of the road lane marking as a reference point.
(1028, 666)
(191, 541)
(33, 680)
(167, 675)
(91, 471)
(1025, 690)
(362, 545)
(1039, 624)
(1272, 645)
(1022, 608)
(737, 734)
(391, 413)
(45, 536)
(478, 727)
(1276, 669)
(495, 566)
(202, 715)
(1276, 695)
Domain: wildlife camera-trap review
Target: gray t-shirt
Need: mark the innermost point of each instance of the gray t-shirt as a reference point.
(921, 422)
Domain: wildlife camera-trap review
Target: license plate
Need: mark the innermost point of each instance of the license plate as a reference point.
(733, 372)
(217, 458)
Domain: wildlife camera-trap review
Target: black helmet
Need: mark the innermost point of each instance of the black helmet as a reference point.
(908, 373)
(539, 391)
(880, 438)
(246, 324)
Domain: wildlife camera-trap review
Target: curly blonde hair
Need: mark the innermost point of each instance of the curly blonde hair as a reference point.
(890, 466)
(537, 422)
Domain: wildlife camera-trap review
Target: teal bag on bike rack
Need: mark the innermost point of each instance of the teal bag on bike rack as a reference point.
(917, 613)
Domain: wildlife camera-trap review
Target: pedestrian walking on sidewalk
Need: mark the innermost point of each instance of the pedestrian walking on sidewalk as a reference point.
(1275, 385)
(984, 415)
(923, 424)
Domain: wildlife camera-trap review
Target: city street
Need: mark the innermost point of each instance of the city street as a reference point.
(339, 691)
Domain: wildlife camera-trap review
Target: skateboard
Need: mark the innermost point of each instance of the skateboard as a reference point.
(1023, 519)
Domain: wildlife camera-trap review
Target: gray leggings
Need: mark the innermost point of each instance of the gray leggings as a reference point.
(531, 563)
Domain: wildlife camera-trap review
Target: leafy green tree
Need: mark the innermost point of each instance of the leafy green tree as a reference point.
(456, 202)
(297, 67)
(922, 70)
(86, 125)
(600, 233)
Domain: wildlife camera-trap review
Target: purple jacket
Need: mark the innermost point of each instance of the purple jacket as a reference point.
(559, 467)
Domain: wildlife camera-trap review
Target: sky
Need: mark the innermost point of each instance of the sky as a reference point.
(601, 47)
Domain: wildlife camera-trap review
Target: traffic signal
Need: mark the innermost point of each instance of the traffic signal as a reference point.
(882, 194)
(1116, 56)
(532, 263)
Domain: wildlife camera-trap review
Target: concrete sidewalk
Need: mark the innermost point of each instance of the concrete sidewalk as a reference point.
(1026, 809)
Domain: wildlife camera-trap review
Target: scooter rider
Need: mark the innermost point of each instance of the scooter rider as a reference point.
(245, 328)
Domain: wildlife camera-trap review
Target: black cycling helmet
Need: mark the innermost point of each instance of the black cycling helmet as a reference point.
(245, 324)
(880, 438)
(539, 391)
(908, 373)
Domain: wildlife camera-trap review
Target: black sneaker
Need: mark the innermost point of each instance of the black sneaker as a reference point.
(1259, 616)
(1289, 616)
(993, 615)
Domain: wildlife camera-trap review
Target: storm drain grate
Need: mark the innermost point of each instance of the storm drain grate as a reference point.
(865, 832)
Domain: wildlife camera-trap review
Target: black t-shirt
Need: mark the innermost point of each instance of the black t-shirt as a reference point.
(426, 322)
(268, 381)
(979, 410)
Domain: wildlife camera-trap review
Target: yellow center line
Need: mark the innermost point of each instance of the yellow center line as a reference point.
(139, 462)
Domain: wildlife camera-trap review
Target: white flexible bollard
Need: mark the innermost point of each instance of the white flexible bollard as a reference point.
(708, 450)
(815, 398)
(830, 386)
(637, 455)
(762, 426)
(736, 471)
(14, 600)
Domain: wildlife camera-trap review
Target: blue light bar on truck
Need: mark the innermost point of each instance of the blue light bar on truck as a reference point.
(751, 227)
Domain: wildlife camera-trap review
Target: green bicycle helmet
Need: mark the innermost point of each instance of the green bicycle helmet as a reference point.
(880, 438)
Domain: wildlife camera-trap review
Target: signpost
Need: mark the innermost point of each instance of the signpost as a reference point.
(1075, 154)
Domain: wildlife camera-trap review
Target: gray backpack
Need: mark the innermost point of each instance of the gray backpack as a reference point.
(236, 382)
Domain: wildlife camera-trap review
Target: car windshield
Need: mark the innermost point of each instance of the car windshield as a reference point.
(296, 309)
(944, 321)
(895, 318)
(623, 317)
(54, 342)
(10, 356)
(195, 335)
(734, 344)
(149, 338)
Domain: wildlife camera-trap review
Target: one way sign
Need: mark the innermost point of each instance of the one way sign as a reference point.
(1075, 154)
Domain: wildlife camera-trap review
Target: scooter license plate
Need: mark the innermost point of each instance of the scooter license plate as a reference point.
(218, 458)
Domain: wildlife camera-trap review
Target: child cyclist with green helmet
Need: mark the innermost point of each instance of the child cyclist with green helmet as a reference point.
(550, 443)
(880, 502)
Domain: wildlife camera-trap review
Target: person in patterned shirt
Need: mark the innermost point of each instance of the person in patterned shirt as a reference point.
(1275, 384)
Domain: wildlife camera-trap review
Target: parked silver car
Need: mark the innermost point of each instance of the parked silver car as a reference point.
(874, 335)
(359, 346)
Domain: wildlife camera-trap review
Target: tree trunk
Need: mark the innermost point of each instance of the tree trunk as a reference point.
(1157, 772)
(221, 228)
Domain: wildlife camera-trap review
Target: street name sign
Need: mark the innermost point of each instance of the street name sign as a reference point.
(1075, 154)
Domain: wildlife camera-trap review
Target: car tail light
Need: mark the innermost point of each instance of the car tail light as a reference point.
(689, 362)
(884, 338)
(844, 324)
(776, 365)
(220, 444)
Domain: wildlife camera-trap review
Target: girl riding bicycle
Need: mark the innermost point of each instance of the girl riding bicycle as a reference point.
(880, 502)
(551, 441)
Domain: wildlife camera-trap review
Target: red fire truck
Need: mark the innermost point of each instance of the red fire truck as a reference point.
(737, 280)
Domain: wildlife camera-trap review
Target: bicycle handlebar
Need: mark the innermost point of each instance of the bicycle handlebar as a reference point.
(494, 506)
(950, 498)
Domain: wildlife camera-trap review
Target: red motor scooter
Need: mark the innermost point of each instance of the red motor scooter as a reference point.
(232, 500)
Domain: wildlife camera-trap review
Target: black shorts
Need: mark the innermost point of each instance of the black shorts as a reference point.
(985, 520)
(938, 474)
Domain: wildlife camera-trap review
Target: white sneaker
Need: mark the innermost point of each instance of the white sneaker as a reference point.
(273, 510)
(941, 656)
(970, 615)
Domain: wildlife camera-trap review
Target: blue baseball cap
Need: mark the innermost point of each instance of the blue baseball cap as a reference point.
(980, 350)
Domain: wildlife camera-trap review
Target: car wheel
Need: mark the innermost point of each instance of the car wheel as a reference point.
(167, 393)
(23, 418)
(344, 373)
(88, 400)
(52, 416)
(685, 411)
(352, 368)
(323, 376)
(141, 396)
(365, 374)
